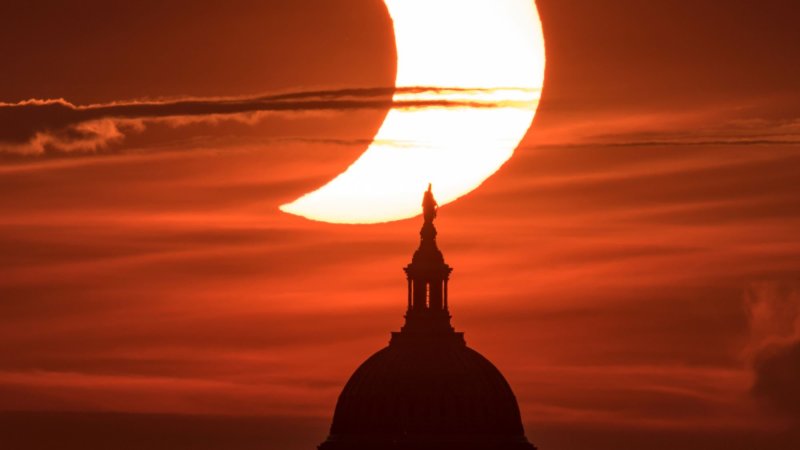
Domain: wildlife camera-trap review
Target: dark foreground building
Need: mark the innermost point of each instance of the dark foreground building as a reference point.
(427, 389)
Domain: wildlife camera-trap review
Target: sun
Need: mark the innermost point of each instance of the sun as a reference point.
(487, 56)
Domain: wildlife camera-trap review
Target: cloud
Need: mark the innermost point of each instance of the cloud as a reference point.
(778, 379)
(34, 127)
(774, 349)
(717, 124)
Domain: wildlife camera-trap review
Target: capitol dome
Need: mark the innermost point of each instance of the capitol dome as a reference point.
(427, 389)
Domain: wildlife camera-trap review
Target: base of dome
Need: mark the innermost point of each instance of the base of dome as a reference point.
(426, 442)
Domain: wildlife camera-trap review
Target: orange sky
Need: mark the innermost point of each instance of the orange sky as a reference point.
(633, 270)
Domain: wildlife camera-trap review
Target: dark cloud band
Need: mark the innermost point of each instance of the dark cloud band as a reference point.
(28, 126)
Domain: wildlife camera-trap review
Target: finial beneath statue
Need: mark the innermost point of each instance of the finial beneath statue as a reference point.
(429, 205)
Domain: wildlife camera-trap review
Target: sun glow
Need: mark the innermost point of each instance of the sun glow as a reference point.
(486, 56)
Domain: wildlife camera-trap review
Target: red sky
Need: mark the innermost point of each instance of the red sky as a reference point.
(632, 270)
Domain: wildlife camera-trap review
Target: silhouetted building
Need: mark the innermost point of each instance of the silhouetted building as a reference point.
(427, 389)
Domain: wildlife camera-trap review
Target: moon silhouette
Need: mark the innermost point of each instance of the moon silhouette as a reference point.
(488, 53)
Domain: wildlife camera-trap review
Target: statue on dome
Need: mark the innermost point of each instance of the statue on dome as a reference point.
(429, 205)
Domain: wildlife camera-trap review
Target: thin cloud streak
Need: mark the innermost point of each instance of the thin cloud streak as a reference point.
(34, 127)
(710, 126)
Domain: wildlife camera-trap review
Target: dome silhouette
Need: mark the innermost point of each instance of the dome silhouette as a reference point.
(427, 389)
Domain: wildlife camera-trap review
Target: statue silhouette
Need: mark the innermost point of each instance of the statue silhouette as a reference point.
(429, 205)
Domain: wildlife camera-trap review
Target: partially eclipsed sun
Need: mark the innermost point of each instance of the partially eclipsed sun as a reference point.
(486, 53)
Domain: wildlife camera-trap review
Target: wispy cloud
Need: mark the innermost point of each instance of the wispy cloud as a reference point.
(37, 126)
(713, 125)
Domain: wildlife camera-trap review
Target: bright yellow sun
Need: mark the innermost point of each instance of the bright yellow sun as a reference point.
(488, 53)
